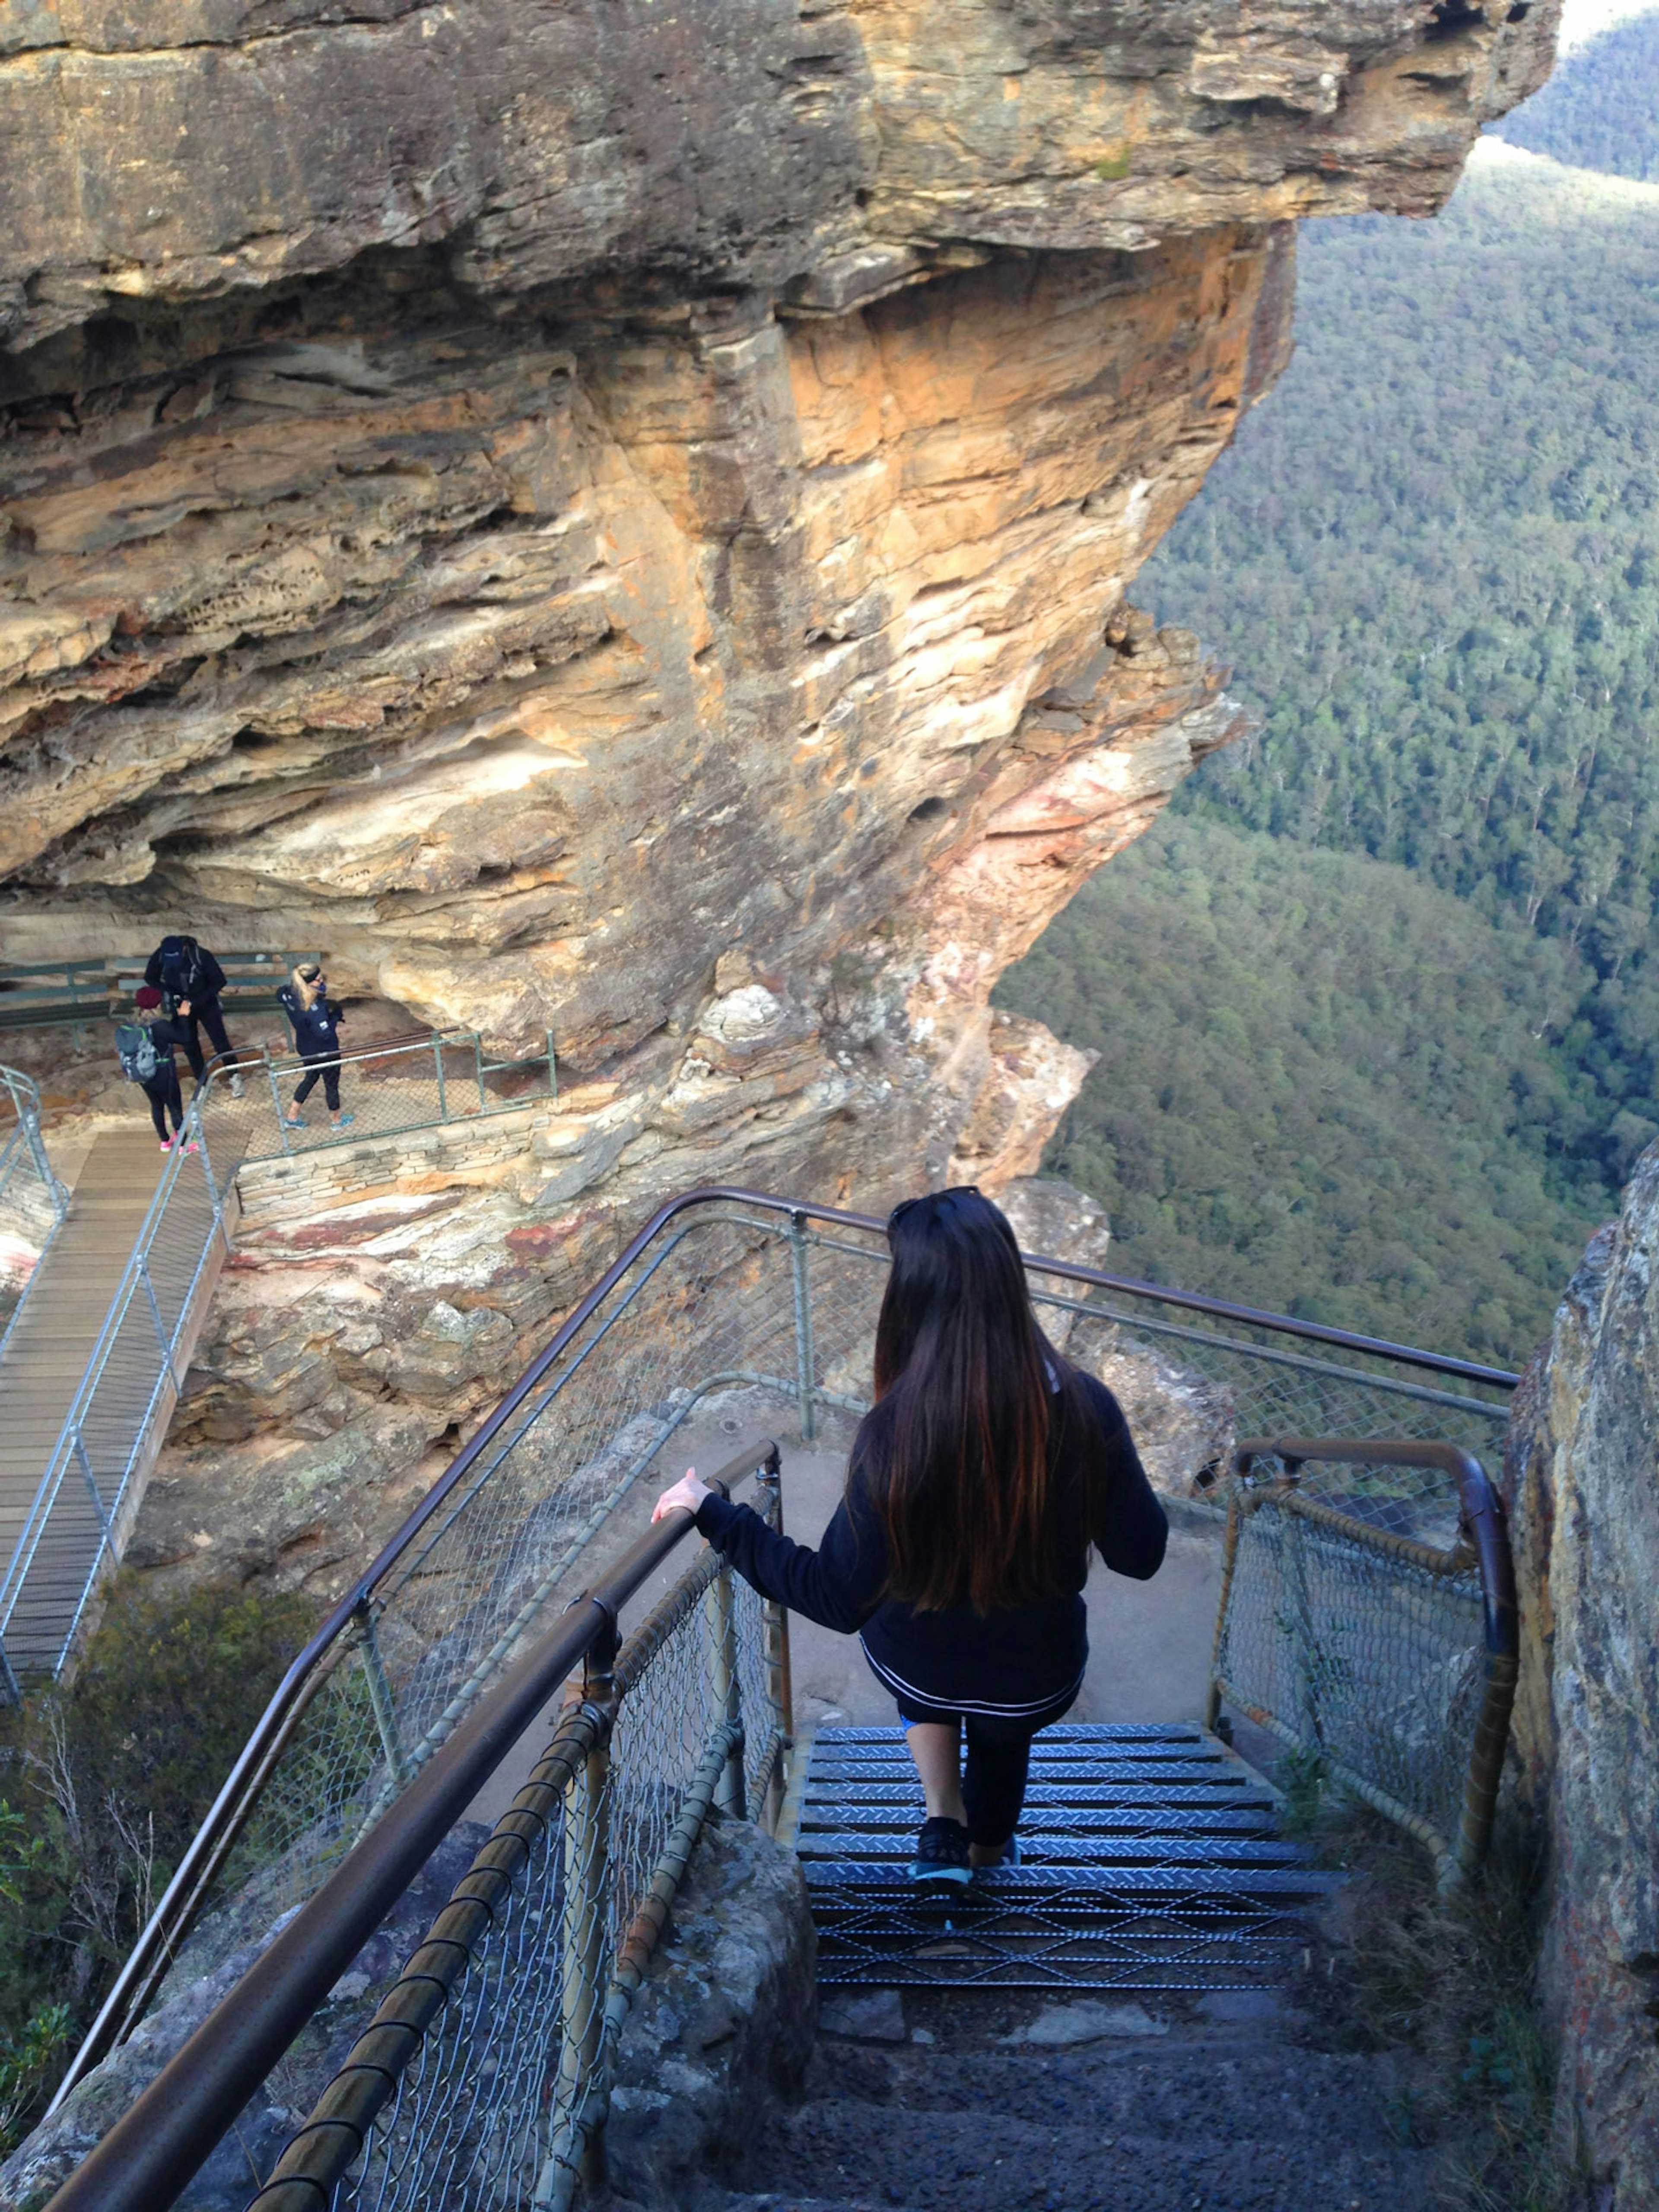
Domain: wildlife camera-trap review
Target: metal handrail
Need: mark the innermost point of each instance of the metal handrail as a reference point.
(1484, 1542)
(141, 1973)
(259, 1063)
(166, 2135)
(25, 1142)
(49, 992)
(133, 1279)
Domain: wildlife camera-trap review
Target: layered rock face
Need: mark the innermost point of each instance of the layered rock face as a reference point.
(1584, 1485)
(616, 522)
(532, 499)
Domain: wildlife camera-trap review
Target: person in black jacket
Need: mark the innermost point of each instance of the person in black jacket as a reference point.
(315, 1018)
(161, 1089)
(985, 1472)
(190, 979)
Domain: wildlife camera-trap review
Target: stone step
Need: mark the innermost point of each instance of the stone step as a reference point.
(1160, 2129)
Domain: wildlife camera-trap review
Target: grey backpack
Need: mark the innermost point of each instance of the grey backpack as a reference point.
(136, 1049)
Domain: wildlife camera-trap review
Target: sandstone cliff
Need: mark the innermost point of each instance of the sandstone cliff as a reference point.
(1583, 1477)
(531, 499)
(617, 521)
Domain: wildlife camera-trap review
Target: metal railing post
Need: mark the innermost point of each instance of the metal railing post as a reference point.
(552, 1071)
(727, 1690)
(479, 1069)
(1229, 1567)
(380, 1692)
(584, 1968)
(775, 1634)
(161, 1336)
(1292, 1537)
(214, 1198)
(438, 1064)
(803, 1325)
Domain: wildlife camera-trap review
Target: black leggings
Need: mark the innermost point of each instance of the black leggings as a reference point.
(165, 1097)
(327, 1065)
(213, 1021)
(998, 1754)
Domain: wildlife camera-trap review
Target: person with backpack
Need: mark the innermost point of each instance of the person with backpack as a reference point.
(190, 980)
(145, 1048)
(986, 1472)
(315, 1018)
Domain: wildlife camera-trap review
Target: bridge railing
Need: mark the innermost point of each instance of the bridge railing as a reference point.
(83, 994)
(395, 1087)
(1368, 1620)
(730, 1310)
(32, 1202)
(484, 2075)
(77, 1519)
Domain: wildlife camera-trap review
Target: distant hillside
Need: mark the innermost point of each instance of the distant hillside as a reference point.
(1321, 1087)
(1433, 558)
(1379, 998)
(1599, 110)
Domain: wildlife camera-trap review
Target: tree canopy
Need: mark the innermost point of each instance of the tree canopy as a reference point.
(1432, 557)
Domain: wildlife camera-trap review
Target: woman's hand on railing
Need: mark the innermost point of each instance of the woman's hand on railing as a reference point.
(686, 1495)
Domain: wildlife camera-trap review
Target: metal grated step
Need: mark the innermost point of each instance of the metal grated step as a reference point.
(1150, 1860)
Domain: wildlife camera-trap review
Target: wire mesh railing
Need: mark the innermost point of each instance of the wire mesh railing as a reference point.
(483, 2076)
(1368, 1620)
(32, 1201)
(390, 1089)
(77, 1523)
(729, 1304)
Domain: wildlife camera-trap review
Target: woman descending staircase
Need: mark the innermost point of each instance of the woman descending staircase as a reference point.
(1112, 2023)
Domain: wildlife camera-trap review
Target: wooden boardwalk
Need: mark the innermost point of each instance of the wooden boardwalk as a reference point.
(125, 1418)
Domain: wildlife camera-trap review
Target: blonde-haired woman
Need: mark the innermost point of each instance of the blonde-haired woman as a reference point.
(315, 1018)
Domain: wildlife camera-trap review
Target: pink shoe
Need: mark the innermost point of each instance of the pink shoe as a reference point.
(192, 1147)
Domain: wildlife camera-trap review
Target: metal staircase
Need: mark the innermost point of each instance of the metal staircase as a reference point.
(1150, 1859)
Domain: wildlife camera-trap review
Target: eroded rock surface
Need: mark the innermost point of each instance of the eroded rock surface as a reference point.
(1583, 1477)
(536, 501)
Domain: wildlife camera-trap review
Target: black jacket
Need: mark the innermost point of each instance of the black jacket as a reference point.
(167, 1036)
(1023, 1658)
(184, 969)
(315, 1027)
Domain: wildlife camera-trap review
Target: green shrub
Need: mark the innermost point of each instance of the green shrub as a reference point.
(106, 1782)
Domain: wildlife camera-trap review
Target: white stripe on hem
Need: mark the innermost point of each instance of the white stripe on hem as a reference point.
(900, 1688)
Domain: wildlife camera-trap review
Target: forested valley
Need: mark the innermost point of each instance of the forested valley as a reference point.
(1378, 999)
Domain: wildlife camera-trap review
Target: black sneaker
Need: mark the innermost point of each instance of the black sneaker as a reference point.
(942, 1854)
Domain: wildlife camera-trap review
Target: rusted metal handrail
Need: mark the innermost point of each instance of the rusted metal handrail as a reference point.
(1483, 1543)
(159, 1942)
(166, 2136)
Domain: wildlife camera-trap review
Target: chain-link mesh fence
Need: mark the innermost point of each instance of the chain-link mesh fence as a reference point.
(499, 2040)
(1354, 1625)
(31, 1199)
(74, 1526)
(382, 1090)
(761, 1314)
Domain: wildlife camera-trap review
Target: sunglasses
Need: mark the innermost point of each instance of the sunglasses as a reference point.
(929, 1198)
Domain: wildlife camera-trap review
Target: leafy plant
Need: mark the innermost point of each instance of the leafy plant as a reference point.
(112, 1775)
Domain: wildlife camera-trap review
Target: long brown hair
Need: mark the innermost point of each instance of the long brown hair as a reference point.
(955, 1451)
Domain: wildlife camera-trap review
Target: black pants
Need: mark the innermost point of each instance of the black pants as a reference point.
(328, 1066)
(206, 1013)
(998, 1756)
(165, 1097)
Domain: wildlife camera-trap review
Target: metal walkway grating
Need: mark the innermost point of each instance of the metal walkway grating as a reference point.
(1150, 1860)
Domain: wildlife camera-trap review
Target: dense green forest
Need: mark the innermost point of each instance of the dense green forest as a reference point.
(1432, 557)
(1320, 1086)
(1598, 111)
